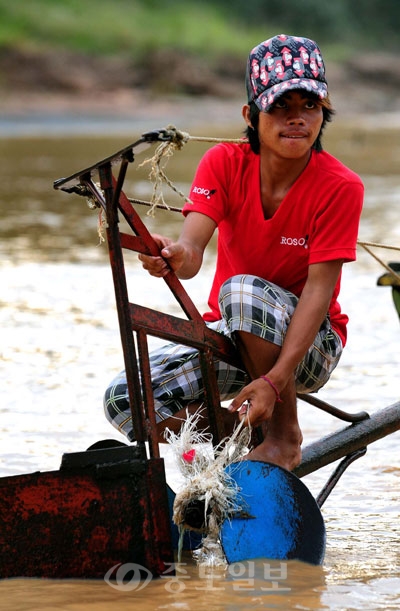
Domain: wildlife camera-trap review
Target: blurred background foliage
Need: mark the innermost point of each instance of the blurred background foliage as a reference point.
(203, 26)
(177, 45)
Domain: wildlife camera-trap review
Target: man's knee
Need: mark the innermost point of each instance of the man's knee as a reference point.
(115, 399)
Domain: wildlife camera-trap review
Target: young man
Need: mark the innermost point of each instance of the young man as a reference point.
(287, 215)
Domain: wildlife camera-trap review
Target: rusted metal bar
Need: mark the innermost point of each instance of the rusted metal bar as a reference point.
(214, 411)
(337, 474)
(348, 440)
(143, 143)
(151, 248)
(148, 397)
(145, 321)
(334, 411)
(187, 332)
(126, 160)
(121, 296)
(193, 332)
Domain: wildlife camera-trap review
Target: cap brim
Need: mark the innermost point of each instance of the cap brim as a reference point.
(268, 97)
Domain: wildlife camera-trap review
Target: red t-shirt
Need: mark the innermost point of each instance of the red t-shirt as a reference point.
(316, 221)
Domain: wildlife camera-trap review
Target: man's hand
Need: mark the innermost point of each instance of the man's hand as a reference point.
(255, 403)
(184, 256)
(172, 257)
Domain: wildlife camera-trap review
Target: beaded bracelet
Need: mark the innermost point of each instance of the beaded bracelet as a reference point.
(278, 397)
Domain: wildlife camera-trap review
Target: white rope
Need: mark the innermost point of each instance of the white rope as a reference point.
(207, 481)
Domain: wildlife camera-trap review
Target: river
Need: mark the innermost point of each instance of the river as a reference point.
(60, 343)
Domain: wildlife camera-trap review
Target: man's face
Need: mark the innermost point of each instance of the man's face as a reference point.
(291, 126)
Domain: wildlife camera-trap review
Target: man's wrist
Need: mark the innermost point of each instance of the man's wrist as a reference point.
(273, 386)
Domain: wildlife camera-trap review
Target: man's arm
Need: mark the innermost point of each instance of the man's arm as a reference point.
(185, 256)
(310, 312)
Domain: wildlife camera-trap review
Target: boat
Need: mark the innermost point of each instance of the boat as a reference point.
(109, 506)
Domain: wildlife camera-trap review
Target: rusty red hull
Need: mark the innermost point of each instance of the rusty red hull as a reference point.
(79, 522)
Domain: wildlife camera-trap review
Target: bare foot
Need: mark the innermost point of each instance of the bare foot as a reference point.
(282, 452)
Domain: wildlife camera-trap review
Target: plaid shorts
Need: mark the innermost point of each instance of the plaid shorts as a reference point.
(247, 303)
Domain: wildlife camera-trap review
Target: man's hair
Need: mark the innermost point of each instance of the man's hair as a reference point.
(252, 132)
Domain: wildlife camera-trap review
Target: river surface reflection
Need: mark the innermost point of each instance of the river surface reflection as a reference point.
(60, 343)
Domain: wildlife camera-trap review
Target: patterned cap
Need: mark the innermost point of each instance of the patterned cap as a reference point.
(281, 64)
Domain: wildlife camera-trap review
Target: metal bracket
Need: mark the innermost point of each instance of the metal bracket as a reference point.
(127, 153)
(337, 474)
(334, 411)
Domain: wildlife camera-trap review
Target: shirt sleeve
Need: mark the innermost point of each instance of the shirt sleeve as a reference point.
(208, 193)
(335, 230)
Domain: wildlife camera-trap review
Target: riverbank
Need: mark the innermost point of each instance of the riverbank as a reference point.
(39, 89)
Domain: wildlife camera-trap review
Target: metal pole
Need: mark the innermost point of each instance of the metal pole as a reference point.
(348, 440)
(122, 301)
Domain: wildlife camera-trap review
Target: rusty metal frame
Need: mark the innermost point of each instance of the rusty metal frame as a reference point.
(137, 322)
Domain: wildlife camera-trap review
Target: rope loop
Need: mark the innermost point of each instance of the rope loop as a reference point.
(157, 175)
(164, 151)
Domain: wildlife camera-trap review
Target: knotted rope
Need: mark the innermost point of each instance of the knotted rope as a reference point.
(164, 151)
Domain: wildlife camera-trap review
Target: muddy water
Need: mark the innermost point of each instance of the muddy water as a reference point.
(59, 343)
